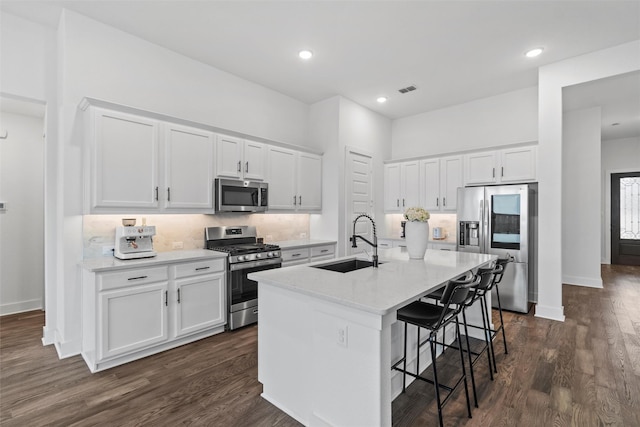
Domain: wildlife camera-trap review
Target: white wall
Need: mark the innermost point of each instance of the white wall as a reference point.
(618, 155)
(503, 119)
(552, 79)
(324, 123)
(22, 225)
(580, 196)
(105, 63)
(23, 66)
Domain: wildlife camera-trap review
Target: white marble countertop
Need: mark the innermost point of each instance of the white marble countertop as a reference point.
(112, 263)
(397, 281)
(303, 243)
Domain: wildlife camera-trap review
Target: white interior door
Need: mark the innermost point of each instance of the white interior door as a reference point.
(359, 179)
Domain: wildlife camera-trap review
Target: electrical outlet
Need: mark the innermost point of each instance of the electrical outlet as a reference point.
(178, 245)
(343, 335)
(107, 250)
(303, 235)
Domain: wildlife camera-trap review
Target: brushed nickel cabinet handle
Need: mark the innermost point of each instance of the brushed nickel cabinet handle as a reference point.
(239, 167)
(168, 194)
(178, 295)
(137, 278)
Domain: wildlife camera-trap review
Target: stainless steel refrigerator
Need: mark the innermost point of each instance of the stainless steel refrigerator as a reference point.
(503, 220)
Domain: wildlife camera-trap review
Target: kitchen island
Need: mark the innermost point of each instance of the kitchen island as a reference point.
(327, 340)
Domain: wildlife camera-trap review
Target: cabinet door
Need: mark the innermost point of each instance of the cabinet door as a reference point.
(132, 319)
(229, 157)
(309, 182)
(430, 181)
(200, 303)
(281, 164)
(410, 182)
(451, 177)
(124, 161)
(480, 168)
(518, 164)
(188, 168)
(254, 160)
(392, 187)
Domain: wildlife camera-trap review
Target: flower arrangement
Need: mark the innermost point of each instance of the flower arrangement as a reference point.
(416, 214)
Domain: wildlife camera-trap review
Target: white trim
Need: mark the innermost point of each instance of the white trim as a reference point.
(589, 282)
(548, 312)
(21, 306)
(348, 149)
(607, 210)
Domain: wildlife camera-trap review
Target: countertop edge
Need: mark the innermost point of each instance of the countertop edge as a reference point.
(102, 264)
(303, 243)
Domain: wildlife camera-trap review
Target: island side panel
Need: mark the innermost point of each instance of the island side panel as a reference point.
(324, 363)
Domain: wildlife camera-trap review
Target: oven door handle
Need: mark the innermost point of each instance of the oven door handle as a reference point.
(252, 264)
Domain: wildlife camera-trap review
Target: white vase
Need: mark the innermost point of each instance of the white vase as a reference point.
(417, 238)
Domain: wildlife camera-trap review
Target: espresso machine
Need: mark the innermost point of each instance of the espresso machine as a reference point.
(134, 242)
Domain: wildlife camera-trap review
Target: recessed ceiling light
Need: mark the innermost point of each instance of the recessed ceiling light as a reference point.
(305, 54)
(381, 99)
(534, 52)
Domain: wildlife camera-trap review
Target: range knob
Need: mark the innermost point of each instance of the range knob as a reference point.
(270, 254)
(242, 257)
(258, 255)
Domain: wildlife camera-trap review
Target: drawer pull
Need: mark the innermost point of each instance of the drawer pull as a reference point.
(324, 250)
(294, 255)
(137, 278)
(202, 268)
(255, 311)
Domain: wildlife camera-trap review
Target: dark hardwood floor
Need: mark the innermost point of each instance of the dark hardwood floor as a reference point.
(582, 372)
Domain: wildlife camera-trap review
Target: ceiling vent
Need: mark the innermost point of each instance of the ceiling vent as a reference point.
(407, 89)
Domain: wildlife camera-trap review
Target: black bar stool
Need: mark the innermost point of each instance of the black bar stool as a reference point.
(501, 264)
(434, 317)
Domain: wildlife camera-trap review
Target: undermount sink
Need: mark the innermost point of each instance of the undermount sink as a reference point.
(346, 266)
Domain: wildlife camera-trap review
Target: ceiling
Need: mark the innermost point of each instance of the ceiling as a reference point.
(452, 51)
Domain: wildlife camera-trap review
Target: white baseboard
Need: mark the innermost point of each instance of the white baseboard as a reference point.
(549, 312)
(589, 282)
(66, 348)
(20, 306)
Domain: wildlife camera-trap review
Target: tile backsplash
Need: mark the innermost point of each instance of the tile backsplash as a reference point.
(446, 221)
(99, 230)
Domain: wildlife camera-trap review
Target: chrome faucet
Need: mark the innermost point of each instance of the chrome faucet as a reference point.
(353, 238)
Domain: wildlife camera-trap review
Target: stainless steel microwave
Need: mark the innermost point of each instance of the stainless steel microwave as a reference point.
(233, 195)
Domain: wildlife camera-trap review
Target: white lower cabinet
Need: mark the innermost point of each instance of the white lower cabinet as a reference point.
(133, 313)
(131, 319)
(198, 303)
(306, 254)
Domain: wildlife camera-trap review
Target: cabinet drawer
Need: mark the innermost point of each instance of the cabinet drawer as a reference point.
(199, 267)
(317, 251)
(295, 254)
(138, 276)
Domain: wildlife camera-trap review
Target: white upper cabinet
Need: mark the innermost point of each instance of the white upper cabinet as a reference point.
(140, 164)
(295, 180)
(392, 187)
(440, 179)
(518, 164)
(402, 186)
(309, 182)
(501, 166)
(188, 177)
(238, 158)
(124, 151)
(481, 168)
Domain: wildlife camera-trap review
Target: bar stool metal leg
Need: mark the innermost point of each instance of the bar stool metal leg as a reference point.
(464, 373)
(485, 310)
(473, 380)
(487, 335)
(504, 338)
(435, 376)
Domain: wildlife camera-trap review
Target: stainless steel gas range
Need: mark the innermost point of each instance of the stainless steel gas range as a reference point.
(246, 256)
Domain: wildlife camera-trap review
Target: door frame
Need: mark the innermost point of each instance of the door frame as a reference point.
(606, 225)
